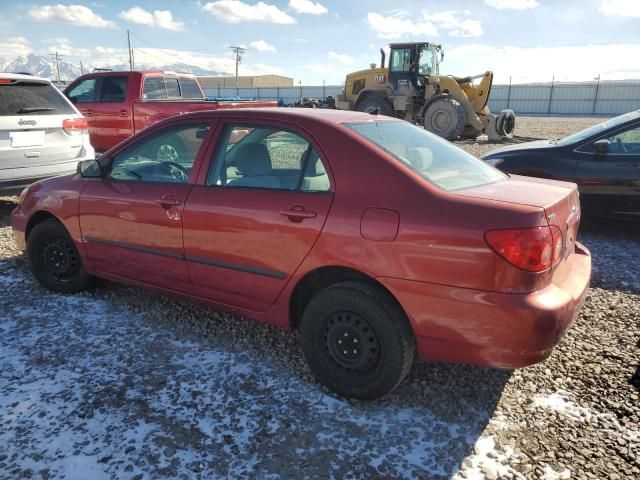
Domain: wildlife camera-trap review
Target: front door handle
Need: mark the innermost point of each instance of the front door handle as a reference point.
(297, 213)
(168, 201)
(124, 113)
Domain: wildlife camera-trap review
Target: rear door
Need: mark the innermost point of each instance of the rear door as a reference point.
(32, 113)
(131, 221)
(113, 122)
(255, 213)
(610, 182)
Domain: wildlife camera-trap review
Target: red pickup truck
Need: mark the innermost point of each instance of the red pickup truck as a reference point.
(119, 104)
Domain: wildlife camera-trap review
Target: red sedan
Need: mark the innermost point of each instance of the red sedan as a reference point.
(371, 236)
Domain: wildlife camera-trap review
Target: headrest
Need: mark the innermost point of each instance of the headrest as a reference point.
(253, 159)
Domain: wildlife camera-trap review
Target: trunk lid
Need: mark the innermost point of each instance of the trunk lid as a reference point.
(559, 200)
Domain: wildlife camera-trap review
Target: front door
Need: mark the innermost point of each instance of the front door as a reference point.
(261, 208)
(609, 182)
(113, 118)
(131, 221)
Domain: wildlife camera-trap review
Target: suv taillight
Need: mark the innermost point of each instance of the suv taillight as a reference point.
(532, 249)
(75, 126)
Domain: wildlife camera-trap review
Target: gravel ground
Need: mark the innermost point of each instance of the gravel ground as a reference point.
(122, 383)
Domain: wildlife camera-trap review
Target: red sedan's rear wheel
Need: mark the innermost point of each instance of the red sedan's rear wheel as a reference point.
(54, 260)
(357, 340)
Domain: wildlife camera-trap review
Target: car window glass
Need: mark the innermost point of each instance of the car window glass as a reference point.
(267, 157)
(165, 157)
(83, 92)
(433, 158)
(32, 98)
(113, 89)
(154, 89)
(189, 88)
(625, 142)
(583, 135)
(173, 90)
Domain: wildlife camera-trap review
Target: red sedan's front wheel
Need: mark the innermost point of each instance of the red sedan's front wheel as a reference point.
(357, 340)
(54, 260)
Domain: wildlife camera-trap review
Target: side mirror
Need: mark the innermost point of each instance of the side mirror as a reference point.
(90, 169)
(601, 147)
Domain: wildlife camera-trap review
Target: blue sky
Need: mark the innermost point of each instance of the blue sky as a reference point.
(312, 41)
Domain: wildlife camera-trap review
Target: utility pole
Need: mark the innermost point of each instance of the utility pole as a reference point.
(131, 63)
(238, 51)
(57, 57)
(595, 98)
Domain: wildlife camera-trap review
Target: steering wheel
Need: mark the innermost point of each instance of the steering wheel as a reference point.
(621, 144)
(177, 171)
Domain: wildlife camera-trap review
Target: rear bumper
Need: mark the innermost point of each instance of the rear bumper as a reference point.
(495, 329)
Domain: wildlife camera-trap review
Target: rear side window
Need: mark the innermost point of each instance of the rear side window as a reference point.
(189, 88)
(31, 98)
(154, 89)
(173, 90)
(83, 92)
(433, 158)
(267, 157)
(113, 90)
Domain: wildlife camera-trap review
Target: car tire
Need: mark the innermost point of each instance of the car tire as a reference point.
(445, 117)
(373, 103)
(54, 259)
(357, 340)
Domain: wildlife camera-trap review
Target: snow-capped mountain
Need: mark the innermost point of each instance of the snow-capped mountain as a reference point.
(46, 67)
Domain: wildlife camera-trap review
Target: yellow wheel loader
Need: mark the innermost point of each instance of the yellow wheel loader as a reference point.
(413, 89)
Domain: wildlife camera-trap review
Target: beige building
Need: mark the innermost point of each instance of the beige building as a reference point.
(246, 81)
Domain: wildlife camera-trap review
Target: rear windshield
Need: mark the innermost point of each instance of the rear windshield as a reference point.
(31, 98)
(433, 158)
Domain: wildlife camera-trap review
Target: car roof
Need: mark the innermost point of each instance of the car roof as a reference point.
(320, 115)
(23, 76)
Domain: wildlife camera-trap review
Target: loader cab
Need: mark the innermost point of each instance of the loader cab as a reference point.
(410, 63)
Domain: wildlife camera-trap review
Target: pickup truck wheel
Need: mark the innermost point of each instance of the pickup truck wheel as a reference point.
(357, 340)
(54, 259)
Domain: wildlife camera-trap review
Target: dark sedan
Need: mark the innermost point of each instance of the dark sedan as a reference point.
(604, 160)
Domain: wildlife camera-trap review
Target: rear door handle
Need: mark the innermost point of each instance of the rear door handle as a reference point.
(124, 113)
(87, 111)
(297, 213)
(168, 201)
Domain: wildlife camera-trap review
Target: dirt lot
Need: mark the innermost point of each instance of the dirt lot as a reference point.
(121, 383)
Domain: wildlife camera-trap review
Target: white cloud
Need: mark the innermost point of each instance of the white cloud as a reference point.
(262, 46)
(571, 63)
(396, 27)
(342, 58)
(512, 4)
(157, 18)
(456, 26)
(76, 14)
(235, 11)
(13, 46)
(308, 6)
(620, 8)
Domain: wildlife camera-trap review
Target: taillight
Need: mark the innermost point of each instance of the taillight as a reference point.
(532, 249)
(75, 126)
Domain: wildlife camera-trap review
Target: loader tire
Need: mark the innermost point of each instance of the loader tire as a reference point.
(373, 103)
(506, 123)
(445, 117)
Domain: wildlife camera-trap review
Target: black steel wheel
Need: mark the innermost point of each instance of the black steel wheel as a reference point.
(54, 259)
(357, 340)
